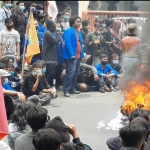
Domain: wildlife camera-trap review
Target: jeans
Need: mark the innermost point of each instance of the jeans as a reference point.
(50, 73)
(72, 72)
(58, 69)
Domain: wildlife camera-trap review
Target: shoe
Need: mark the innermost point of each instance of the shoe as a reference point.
(107, 89)
(75, 92)
(59, 88)
(66, 94)
(102, 90)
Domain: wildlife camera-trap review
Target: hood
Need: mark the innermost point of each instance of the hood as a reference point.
(50, 25)
(58, 125)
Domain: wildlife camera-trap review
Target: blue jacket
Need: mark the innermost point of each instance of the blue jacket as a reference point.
(70, 41)
(108, 69)
(40, 28)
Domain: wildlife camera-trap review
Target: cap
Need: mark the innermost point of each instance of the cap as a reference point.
(7, 20)
(141, 122)
(4, 73)
(132, 26)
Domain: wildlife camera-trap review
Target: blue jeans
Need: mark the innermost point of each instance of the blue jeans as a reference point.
(72, 72)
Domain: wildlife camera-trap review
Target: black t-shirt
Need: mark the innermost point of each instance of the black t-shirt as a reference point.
(116, 67)
(29, 83)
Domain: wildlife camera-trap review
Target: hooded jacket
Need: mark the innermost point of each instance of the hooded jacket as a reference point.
(49, 42)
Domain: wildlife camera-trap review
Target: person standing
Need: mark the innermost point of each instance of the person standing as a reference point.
(10, 42)
(19, 20)
(72, 54)
(48, 53)
(5, 12)
(65, 23)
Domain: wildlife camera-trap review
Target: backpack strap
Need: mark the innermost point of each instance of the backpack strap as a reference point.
(5, 13)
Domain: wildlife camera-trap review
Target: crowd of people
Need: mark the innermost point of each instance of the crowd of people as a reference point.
(71, 59)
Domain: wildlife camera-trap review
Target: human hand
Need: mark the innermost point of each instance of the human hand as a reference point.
(91, 43)
(73, 58)
(21, 82)
(39, 76)
(72, 130)
(19, 76)
(108, 75)
(21, 96)
(18, 58)
(96, 78)
(52, 92)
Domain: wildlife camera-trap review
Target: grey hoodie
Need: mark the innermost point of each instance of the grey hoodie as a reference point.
(49, 42)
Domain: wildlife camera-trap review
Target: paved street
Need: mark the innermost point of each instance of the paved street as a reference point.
(85, 111)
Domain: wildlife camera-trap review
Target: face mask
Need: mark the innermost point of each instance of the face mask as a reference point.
(66, 18)
(11, 72)
(6, 81)
(115, 61)
(37, 72)
(43, 70)
(9, 27)
(8, 5)
(104, 62)
(22, 8)
(41, 11)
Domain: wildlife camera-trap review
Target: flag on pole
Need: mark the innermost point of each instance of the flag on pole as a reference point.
(32, 40)
(3, 117)
(52, 10)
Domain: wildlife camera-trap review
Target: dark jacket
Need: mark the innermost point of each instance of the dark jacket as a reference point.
(84, 34)
(19, 22)
(70, 46)
(49, 42)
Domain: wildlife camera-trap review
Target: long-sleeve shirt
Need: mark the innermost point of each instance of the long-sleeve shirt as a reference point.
(88, 67)
(108, 69)
(13, 79)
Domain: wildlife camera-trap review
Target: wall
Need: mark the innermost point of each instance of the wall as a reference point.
(83, 5)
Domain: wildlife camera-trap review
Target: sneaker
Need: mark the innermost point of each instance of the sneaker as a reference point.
(107, 89)
(102, 90)
(59, 88)
(66, 94)
(75, 92)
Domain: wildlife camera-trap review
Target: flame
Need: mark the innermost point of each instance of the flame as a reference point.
(137, 95)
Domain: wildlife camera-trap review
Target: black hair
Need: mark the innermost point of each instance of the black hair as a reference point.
(109, 22)
(73, 19)
(89, 61)
(85, 22)
(9, 66)
(114, 56)
(19, 115)
(60, 14)
(138, 112)
(18, 3)
(98, 26)
(47, 139)
(132, 135)
(103, 56)
(36, 118)
(66, 5)
(39, 7)
(2, 65)
(36, 64)
(66, 11)
(42, 62)
(40, 16)
(131, 20)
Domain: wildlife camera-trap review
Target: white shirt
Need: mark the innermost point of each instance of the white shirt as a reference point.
(4, 146)
(65, 25)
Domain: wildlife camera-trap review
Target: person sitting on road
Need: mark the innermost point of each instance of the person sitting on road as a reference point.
(36, 84)
(36, 119)
(106, 73)
(88, 79)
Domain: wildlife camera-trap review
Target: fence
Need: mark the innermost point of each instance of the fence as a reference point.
(121, 15)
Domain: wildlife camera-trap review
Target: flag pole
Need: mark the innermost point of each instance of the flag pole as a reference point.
(25, 44)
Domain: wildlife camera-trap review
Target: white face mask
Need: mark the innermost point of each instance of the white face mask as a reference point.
(115, 61)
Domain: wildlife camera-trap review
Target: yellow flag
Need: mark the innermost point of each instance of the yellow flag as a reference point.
(32, 40)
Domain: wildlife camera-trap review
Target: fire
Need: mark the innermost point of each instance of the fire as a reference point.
(138, 94)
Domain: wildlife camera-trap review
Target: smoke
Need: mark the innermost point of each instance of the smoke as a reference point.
(139, 71)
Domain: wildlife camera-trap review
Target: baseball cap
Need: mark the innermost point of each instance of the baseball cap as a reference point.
(4, 73)
(140, 122)
(7, 20)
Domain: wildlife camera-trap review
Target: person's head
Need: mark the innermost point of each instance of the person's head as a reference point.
(40, 9)
(60, 17)
(10, 69)
(85, 24)
(43, 65)
(7, 60)
(138, 112)
(36, 118)
(66, 6)
(131, 20)
(109, 23)
(115, 58)
(4, 76)
(98, 28)
(2, 66)
(19, 115)
(88, 59)
(37, 68)
(41, 18)
(7, 4)
(133, 136)
(33, 4)
(51, 25)
(132, 29)
(103, 59)
(66, 15)
(47, 139)
(8, 23)
(75, 22)
(20, 6)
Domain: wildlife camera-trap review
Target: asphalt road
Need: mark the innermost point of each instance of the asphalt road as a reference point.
(85, 110)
